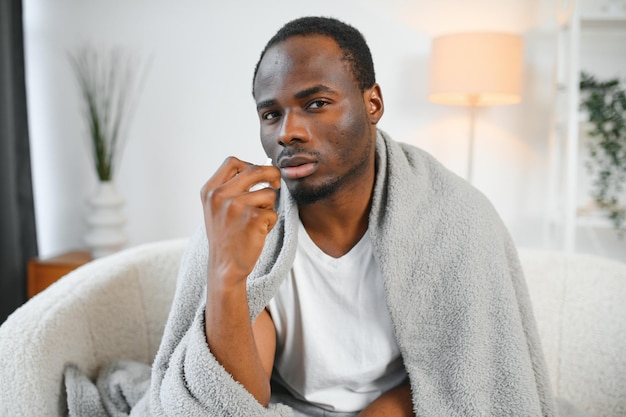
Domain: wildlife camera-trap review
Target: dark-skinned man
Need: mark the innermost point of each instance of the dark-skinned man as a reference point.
(365, 280)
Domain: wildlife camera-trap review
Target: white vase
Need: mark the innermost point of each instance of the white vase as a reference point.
(105, 221)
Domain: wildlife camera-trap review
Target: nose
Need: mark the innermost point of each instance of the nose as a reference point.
(293, 129)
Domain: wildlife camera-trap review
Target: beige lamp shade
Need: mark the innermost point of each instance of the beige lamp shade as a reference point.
(481, 69)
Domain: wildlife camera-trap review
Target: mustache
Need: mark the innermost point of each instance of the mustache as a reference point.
(290, 152)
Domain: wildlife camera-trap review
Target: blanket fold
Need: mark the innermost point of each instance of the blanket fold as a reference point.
(120, 386)
(454, 286)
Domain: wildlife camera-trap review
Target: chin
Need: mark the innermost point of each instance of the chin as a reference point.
(305, 195)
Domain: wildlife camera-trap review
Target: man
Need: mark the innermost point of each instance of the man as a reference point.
(318, 125)
(365, 280)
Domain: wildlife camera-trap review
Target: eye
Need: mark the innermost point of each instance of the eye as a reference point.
(270, 115)
(317, 104)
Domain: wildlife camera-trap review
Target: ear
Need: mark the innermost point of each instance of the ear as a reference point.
(373, 97)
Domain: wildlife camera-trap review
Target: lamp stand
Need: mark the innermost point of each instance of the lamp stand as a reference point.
(472, 128)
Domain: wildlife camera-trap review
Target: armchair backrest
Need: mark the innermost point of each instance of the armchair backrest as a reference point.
(112, 308)
(579, 302)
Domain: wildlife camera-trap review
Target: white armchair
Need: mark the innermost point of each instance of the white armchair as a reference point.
(579, 303)
(116, 308)
(112, 308)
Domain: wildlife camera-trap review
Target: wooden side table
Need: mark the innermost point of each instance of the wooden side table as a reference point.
(43, 272)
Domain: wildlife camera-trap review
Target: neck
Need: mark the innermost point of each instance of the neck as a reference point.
(337, 223)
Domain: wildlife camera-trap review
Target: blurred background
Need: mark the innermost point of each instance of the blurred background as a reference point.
(196, 106)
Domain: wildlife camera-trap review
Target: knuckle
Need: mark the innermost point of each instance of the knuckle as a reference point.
(233, 207)
(231, 160)
(254, 215)
(206, 189)
(214, 197)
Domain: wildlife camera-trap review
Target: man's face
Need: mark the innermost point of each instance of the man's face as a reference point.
(315, 122)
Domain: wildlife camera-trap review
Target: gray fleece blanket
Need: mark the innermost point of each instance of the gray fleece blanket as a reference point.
(454, 287)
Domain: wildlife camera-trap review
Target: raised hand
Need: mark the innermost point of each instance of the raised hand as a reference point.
(237, 220)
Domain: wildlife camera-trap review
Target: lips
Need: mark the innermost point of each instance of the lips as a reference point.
(296, 167)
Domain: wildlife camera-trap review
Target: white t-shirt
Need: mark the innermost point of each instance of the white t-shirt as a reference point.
(335, 343)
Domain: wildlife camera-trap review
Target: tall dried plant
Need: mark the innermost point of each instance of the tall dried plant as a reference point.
(110, 81)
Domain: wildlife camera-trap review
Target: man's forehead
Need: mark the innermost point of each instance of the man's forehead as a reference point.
(307, 59)
(302, 49)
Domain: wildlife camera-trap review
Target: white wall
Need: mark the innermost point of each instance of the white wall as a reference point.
(196, 107)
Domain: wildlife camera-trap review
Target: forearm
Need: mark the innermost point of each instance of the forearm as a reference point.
(231, 340)
(232, 215)
(396, 402)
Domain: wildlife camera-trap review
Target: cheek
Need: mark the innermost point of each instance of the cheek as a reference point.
(269, 145)
(270, 151)
(352, 135)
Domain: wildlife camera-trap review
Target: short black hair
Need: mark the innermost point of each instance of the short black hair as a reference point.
(350, 41)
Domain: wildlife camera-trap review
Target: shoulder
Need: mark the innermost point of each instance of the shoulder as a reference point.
(424, 173)
(404, 159)
(436, 192)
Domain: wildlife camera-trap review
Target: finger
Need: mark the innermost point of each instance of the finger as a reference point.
(276, 183)
(264, 198)
(235, 177)
(253, 175)
(265, 220)
(230, 168)
(271, 221)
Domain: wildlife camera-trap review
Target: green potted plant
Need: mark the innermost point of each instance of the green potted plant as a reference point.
(604, 103)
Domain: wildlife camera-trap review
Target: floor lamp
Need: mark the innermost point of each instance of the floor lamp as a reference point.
(476, 69)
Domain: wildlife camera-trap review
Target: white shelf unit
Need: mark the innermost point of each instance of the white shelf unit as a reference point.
(602, 19)
(567, 146)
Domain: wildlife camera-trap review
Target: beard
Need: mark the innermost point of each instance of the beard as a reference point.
(305, 195)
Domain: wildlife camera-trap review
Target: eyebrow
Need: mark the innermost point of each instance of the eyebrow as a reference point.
(265, 104)
(313, 90)
(299, 95)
